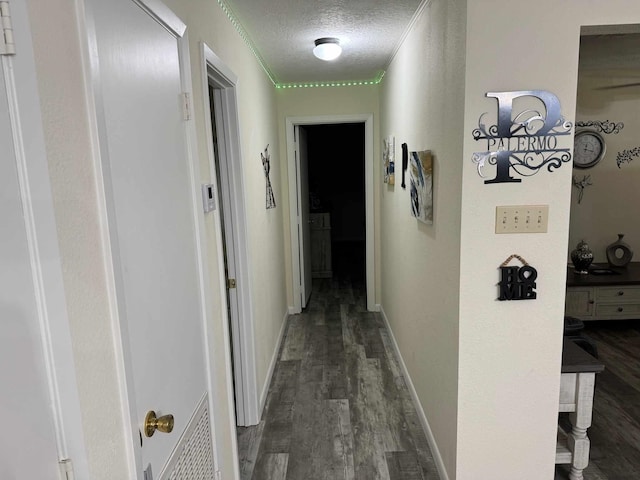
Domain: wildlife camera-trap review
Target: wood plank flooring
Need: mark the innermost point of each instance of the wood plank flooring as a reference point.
(338, 406)
(615, 431)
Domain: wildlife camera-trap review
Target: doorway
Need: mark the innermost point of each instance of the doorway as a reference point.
(300, 250)
(336, 177)
(230, 230)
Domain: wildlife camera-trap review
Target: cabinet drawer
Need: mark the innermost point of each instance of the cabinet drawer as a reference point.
(617, 294)
(617, 309)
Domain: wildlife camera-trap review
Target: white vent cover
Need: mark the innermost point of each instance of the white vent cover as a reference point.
(192, 458)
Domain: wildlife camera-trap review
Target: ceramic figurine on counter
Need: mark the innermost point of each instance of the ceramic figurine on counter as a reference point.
(582, 257)
(619, 254)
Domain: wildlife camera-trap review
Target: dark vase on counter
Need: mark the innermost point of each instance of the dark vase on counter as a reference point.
(619, 254)
(582, 256)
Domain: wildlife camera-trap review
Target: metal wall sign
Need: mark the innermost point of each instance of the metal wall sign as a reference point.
(522, 141)
(517, 283)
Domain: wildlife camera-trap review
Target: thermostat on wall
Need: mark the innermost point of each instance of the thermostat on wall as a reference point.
(208, 198)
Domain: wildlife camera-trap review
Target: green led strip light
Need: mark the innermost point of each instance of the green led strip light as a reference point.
(245, 36)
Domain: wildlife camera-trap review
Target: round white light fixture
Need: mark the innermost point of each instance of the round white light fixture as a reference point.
(327, 48)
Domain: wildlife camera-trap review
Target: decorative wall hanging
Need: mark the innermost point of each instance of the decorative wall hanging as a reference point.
(266, 165)
(619, 253)
(517, 283)
(405, 162)
(603, 127)
(626, 156)
(522, 141)
(581, 185)
(389, 152)
(421, 185)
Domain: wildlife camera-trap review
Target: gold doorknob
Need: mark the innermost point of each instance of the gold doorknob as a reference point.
(153, 423)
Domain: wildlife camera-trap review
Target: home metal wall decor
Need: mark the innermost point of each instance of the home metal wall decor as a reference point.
(522, 141)
(626, 156)
(266, 165)
(517, 283)
(604, 126)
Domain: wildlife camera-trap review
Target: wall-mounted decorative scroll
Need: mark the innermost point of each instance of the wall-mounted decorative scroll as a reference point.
(517, 283)
(266, 165)
(626, 156)
(523, 140)
(604, 126)
(581, 185)
(405, 163)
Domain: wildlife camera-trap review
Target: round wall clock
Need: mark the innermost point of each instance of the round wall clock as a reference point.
(588, 149)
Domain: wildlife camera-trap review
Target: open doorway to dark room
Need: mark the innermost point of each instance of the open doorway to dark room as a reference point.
(336, 157)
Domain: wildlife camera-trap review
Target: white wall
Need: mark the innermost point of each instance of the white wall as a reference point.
(422, 105)
(609, 206)
(510, 351)
(57, 44)
(297, 102)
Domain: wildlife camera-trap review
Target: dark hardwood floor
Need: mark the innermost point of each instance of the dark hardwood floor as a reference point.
(338, 406)
(615, 430)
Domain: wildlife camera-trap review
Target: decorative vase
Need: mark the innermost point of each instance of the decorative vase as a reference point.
(619, 254)
(582, 257)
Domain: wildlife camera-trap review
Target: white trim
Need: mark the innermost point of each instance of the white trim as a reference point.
(164, 16)
(416, 402)
(272, 364)
(243, 332)
(40, 228)
(291, 122)
(96, 125)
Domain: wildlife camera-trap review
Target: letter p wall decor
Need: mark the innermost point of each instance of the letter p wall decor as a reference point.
(525, 137)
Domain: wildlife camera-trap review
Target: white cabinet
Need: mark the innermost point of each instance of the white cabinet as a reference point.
(613, 302)
(320, 245)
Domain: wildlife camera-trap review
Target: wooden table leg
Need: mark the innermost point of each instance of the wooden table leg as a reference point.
(578, 441)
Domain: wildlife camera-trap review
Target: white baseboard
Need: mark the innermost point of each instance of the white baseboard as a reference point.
(421, 415)
(294, 310)
(272, 365)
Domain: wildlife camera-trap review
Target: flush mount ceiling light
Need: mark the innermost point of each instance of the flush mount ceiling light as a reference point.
(327, 48)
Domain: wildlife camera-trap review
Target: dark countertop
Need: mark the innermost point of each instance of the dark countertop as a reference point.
(629, 275)
(576, 360)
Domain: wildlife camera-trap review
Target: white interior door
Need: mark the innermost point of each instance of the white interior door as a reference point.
(28, 442)
(141, 65)
(304, 226)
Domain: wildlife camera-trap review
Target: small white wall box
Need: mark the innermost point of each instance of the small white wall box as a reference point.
(208, 198)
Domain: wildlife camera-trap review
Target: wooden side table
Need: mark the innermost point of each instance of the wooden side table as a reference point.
(577, 384)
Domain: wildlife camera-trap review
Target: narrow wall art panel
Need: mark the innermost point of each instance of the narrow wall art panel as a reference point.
(421, 185)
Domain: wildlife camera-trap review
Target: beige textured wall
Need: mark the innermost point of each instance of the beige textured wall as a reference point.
(57, 43)
(422, 105)
(609, 206)
(299, 102)
(510, 351)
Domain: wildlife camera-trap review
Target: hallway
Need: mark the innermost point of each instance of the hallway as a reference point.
(338, 406)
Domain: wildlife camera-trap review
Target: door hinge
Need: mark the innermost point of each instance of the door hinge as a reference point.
(7, 45)
(231, 283)
(186, 106)
(66, 469)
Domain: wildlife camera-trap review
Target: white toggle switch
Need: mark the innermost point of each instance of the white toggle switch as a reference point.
(522, 219)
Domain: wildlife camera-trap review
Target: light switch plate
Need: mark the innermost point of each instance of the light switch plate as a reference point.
(522, 219)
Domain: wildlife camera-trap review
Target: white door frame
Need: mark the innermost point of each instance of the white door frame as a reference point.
(42, 238)
(294, 199)
(157, 10)
(216, 73)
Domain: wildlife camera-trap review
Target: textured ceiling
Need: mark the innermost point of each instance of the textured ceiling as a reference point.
(283, 33)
